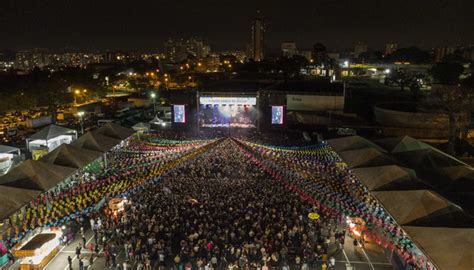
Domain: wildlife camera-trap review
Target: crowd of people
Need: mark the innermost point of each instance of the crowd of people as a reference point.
(126, 168)
(219, 211)
(228, 203)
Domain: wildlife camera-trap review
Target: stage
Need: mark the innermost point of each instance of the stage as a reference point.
(227, 112)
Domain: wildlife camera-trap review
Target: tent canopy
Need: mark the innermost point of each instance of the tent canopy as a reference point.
(353, 143)
(141, 125)
(366, 157)
(35, 175)
(448, 248)
(427, 159)
(5, 149)
(402, 144)
(114, 131)
(95, 142)
(70, 156)
(458, 172)
(14, 198)
(50, 132)
(156, 120)
(389, 177)
(422, 208)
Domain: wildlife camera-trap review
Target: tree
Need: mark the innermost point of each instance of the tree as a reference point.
(446, 73)
(404, 79)
(457, 101)
(410, 54)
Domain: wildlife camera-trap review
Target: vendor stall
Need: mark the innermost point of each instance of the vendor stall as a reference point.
(8, 155)
(48, 139)
(38, 250)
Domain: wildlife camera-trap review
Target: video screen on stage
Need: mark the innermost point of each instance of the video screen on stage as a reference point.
(277, 115)
(179, 114)
(238, 112)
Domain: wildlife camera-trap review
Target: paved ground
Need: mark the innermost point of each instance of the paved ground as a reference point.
(369, 258)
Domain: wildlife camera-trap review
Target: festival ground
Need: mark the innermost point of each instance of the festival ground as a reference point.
(223, 204)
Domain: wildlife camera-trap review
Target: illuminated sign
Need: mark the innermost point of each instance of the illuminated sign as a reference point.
(228, 100)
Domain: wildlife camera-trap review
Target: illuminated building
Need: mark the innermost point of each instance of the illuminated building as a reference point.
(30, 59)
(258, 37)
(442, 52)
(288, 49)
(360, 48)
(390, 47)
(177, 50)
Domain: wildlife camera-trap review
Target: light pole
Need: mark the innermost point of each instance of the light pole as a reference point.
(153, 96)
(77, 92)
(81, 114)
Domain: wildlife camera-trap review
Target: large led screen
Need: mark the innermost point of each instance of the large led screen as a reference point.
(277, 115)
(179, 114)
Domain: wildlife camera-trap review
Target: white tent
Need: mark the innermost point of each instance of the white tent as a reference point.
(159, 122)
(7, 155)
(142, 127)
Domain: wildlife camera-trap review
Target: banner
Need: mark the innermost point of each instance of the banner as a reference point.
(314, 103)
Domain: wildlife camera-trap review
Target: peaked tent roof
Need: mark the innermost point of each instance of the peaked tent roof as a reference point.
(461, 177)
(141, 125)
(427, 159)
(448, 248)
(70, 156)
(458, 172)
(36, 175)
(402, 144)
(8, 149)
(352, 143)
(421, 207)
(95, 142)
(389, 177)
(50, 132)
(367, 157)
(156, 120)
(14, 198)
(114, 131)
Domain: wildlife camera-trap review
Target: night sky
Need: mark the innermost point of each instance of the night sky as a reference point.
(225, 24)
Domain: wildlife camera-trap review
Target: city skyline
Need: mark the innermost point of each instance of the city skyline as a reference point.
(145, 25)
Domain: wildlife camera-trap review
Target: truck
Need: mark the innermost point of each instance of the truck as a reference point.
(39, 122)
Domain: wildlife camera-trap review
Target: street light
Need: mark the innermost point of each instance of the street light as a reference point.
(77, 92)
(153, 96)
(81, 114)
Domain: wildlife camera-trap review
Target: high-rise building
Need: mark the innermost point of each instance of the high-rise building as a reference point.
(360, 48)
(179, 49)
(258, 37)
(288, 49)
(441, 52)
(30, 59)
(391, 47)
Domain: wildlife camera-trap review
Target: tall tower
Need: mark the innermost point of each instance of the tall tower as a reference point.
(258, 37)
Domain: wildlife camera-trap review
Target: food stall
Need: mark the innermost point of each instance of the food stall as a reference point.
(38, 250)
